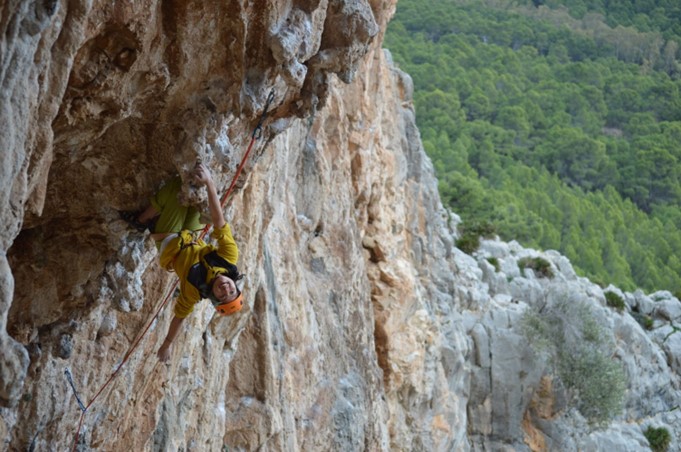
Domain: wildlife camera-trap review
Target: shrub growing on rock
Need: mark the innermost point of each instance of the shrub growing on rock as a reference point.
(541, 266)
(494, 262)
(645, 321)
(579, 351)
(469, 241)
(615, 301)
(658, 438)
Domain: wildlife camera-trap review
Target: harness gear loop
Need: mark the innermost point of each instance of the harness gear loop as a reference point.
(185, 240)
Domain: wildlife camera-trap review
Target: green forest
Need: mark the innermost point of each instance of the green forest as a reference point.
(556, 124)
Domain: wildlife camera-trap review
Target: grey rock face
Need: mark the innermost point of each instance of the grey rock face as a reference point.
(648, 358)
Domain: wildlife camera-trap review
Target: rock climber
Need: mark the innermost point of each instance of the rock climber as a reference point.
(205, 271)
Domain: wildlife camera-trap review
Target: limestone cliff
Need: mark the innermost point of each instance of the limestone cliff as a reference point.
(365, 327)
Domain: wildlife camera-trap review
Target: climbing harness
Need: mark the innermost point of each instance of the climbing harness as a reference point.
(229, 308)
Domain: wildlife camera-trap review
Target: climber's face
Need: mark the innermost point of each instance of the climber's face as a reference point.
(224, 289)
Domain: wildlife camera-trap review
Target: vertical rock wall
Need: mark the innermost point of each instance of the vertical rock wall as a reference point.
(102, 102)
(365, 327)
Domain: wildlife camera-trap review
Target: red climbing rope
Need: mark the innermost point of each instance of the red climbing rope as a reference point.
(257, 132)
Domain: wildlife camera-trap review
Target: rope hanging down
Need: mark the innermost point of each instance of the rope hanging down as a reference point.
(257, 133)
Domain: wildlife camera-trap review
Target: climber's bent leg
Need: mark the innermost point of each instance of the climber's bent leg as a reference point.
(192, 221)
(173, 217)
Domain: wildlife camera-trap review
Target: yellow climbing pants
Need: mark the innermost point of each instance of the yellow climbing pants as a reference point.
(174, 216)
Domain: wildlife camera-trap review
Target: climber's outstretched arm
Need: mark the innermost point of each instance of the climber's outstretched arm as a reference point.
(204, 177)
(164, 351)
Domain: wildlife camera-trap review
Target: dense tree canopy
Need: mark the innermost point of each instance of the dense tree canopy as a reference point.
(557, 121)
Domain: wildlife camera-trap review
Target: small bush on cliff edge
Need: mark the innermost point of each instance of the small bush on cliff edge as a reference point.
(469, 241)
(658, 438)
(645, 321)
(541, 266)
(579, 351)
(615, 301)
(494, 262)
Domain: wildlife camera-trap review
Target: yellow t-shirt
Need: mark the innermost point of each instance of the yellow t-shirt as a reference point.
(181, 260)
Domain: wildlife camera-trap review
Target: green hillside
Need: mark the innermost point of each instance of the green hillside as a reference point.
(559, 127)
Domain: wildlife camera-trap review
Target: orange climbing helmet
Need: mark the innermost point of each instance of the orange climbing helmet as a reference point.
(231, 307)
